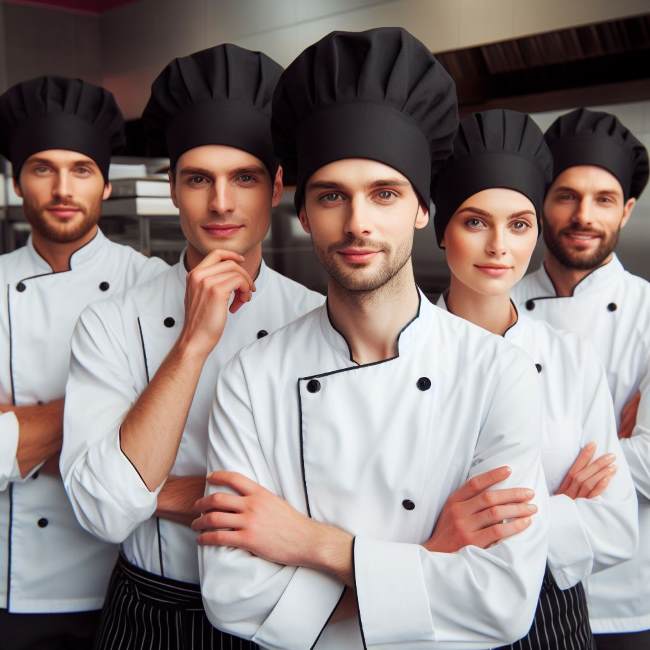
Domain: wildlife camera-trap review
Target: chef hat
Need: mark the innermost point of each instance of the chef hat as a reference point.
(584, 137)
(378, 94)
(59, 113)
(221, 95)
(497, 148)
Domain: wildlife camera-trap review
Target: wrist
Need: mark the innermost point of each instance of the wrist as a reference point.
(189, 351)
(330, 550)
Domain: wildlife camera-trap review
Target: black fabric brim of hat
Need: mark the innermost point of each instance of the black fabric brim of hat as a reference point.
(59, 131)
(602, 152)
(467, 176)
(363, 130)
(228, 123)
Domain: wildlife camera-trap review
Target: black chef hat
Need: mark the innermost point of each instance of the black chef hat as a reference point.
(497, 148)
(221, 95)
(59, 113)
(584, 137)
(378, 94)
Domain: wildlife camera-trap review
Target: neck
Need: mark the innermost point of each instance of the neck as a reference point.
(493, 313)
(57, 254)
(252, 259)
(371, 321)
(565, 279)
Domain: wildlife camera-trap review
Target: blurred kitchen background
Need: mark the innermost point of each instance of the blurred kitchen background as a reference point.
(540, 56)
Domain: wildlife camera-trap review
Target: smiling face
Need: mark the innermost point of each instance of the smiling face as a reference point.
(490, 239)
(224, 196)
(62, 194)
(361, 215)
(584, 212)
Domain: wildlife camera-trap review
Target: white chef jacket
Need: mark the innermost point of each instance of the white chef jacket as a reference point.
(377, 449)
(47, 562)
(116, 349)
(577, 409)
(611, 308)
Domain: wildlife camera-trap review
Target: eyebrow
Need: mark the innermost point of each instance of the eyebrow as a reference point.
(250, 169)
(333, 185)
(521, 213)
(566, 188)
(45, 161)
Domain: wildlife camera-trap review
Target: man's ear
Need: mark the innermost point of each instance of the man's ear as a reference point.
(627, 211)
(422, 217)
(17, 189)
(172, 185)
(108, 190)
(278, 187)
(304, 222)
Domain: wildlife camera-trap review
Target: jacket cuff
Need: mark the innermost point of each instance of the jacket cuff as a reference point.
(390, 587)
(303, 611)
(570, 556)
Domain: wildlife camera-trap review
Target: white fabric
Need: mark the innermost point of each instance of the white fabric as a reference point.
(8, 448)
(57, 567)
(350, 454)
(610, 308)
(117, 347)
(577, 410)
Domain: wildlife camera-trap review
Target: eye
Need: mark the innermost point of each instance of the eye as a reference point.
(330, 197)
(197, 180)
(83, 170)
(41, 170)
(607, 200)
(386, 195)
(246, 179)
(474, 223)
(565, 196)
(520, 226)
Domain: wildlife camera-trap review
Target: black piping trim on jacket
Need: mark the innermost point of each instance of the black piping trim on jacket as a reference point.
(43, 275)
(329, 618)
(334, 372)
(516, 319)
(146, 370)
(11, 485)
(354, 577)
(372, 363)
(575, 286)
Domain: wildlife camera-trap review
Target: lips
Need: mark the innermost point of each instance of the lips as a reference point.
(357, 255)
(493, 270)
(581, 238)
(64, 212)
(222, 230)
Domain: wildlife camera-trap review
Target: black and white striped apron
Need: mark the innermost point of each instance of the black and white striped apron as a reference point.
(143, 610)
(561, 620)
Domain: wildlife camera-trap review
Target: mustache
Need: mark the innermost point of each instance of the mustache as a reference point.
(64, 204)
(356, 242)
(582, 231)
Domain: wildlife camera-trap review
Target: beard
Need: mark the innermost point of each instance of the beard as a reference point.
(580, 260)
(359, 279)
(62, 233)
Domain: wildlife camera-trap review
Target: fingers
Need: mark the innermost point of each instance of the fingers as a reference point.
(220, 538)
(501, 531)
(198, 276)
(588, 485)
(582, 460)
(219, 255)
(497, 514)
(235, 481)
(601, 485)
(218, 521)
(219, 501)
(479, 483)
(494, 498)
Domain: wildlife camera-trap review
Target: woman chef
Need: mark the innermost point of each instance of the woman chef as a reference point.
(488, 197)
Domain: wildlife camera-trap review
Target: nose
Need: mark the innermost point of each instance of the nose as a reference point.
(496, 244)
(223, 198)
(358, 224)
(581, 215)
(61, 189)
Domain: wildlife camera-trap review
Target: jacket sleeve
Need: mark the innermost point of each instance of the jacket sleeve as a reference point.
(279, 607)
(432, 593)
(581, 537)
(107, 494)
(8, 449)
(637, 447)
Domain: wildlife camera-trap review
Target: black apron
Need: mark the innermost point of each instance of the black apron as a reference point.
(143, 610)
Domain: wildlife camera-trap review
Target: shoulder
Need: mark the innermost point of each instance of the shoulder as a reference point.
(293, 293)
(15, 265)
(528, 287)
(138, 267)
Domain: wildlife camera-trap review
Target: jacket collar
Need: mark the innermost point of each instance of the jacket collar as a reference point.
(597, 279)
(81, 257)
(409, 333)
